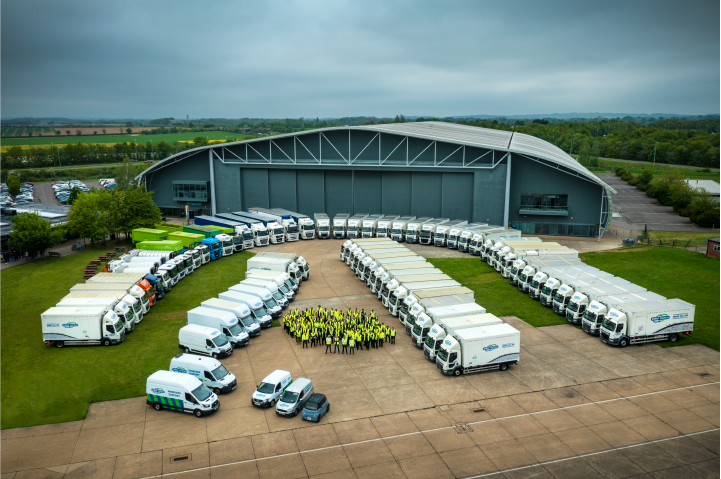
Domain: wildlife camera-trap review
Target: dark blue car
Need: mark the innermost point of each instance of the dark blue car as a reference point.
(316, 406)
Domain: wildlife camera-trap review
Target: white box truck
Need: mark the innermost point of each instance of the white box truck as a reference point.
(544, 267)
(383, 229)
(479, 349)
(353, 243)
(372, 262)
(389, 260)
(283, 280)
(284, 227)
(132, 294)
(396, 283)
(300, 262)
(424, 322)
(522, 271)
(81, 326)
(355, 223)
(439, 331)
(597, 311)
(578, 282)
(583, 297)
(276, 264)
(648, 321)
(428, 230)
(357, 248)
(494, 247)
(305, 224)
(114, 304)
(399, 227)
(369, 225)
(400, 293)
(555, 277)
(464, 232)
(358, 265)
(340, 224)
(270, 286)
(418, 302)
(407, 269)
(263, 294)
(322, 225)
(490, 234)
(440, 235)
(414, 227)
(256, 306)
(225, 321)
(241, 312)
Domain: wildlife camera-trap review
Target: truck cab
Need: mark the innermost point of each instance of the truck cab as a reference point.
(598, 308)
(340, 223)
(433, 342)
(226, 244)
(442, 231)
(384, 226)
(536, 284)
(307, 228)
(246, 235)
(204, 253)
(479, 349)
(322, 224)
(523, 277)
(561, 298)
(214, 248)
(462, 240)
(420, 330)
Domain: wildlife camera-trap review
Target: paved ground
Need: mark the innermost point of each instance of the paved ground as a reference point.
(572, 407)
(638, 210)
(44, 192)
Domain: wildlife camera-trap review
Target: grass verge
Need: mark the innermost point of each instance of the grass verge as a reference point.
(42, 384)
(673, 273)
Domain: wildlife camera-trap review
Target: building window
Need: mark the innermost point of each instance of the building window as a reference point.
(533, 202)
(716, 248)
(190, 190)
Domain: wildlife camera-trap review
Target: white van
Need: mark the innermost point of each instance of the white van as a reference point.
(195, 338)
(291, 402)
(224, 321)
(271, 388)
(240, 310)
(208, 370)
(180, 392)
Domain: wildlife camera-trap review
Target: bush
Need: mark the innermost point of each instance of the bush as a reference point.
(633, 181)
(620, 171)
(626, 176)
(707, 219)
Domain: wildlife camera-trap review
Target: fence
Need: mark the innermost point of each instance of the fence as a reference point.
(691, 244)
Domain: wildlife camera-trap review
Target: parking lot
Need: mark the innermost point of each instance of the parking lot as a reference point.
(45, 195)
(626, 411)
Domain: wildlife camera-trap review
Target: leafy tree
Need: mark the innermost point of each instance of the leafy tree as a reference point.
(129, 124)
(200, 141)
(95, 133)
(120, 130)
(682, 195)
(31, 232)
(74, 195)
(125, 175)
(645, 177)
(13, 183)
(661, 188)
(78, 132)
(87, 218)
(129, 130)
(705, 211)
(104, 131)
(139, 210)
(584, 154)
(30, 133)
(57, 132)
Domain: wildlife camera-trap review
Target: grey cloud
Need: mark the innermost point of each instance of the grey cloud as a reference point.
(338, 58)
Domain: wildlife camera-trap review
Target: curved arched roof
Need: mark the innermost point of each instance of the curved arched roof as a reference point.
(488, 138)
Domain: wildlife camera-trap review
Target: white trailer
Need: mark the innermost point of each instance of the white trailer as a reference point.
(597, 311)
(400, 293)
(396, 283)
(493, 248)
(492, 233)
(418, 302)
(114, 304)
(424, 322)
(355, 223)
(440, 235)
(399, 227)
(305, 224)
(340, 224)
(276, 264)
(479, 349)
(582, 297)
(414, 227)
(439, 331)
(555, 277)
(522, 271)
(279, 222)
(648, 321)
(80, 326)
(300, 262)
(508, 261)
(358, 265)
(241, 312)
(428, 230)
(369, 264)
(369, 224)
(283, 280)
(390, 274)
(352, 244)
(384, 226)
(361, 252)
(133, 294)
(544, 266)
(389, 260)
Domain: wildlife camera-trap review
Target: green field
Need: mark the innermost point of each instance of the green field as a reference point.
(673, 273)
(86, 139)
(42, 384)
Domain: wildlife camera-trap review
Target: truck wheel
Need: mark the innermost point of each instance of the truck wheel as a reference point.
(295, 413)
(673, 337)
(106, 342)
(503, 366)
(198, 413)
(157, 406)
(59, 344)
(187, 350)
(215, 355)
(457, 372)
(623, 342)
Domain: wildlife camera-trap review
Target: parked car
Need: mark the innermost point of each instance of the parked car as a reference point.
(316, 406)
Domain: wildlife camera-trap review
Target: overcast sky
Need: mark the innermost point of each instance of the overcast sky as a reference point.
(338, 58)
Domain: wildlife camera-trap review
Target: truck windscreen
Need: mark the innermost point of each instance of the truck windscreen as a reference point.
(234, 331)
(308, 227)
(443, 355)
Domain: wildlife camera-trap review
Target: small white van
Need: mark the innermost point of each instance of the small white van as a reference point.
(291, 402)
(271, 388)
(208, 370)
(224, 321)
(194, 338)
(180, 392)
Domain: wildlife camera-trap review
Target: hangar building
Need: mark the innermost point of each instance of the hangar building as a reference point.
(424, 169)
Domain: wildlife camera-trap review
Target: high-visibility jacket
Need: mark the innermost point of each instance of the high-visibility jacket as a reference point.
(351, 343)
(344, 340)
(327, 340)
(393, 333)
(336, 340)
(381, 335)
(306, 336)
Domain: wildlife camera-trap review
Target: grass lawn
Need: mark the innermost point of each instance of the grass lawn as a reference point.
(42, 384)
(112, 139)
(674, 273)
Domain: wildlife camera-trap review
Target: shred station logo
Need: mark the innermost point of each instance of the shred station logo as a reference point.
(71, 324)
(660, 318)
(180, 370)
(158, 390)
(490, 347)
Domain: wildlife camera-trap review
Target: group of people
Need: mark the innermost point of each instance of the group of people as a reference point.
(341, 331)
(15, 255)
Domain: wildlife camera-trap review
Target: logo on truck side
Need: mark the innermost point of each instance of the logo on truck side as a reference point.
(158, 391)
(71, 324)
(490, 347)
(180, 370)
(660, 318)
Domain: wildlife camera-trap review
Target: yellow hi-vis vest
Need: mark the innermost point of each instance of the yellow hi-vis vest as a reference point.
(351, 343)
(327, 340)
